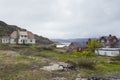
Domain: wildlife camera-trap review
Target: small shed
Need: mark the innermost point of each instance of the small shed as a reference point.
(108, 51)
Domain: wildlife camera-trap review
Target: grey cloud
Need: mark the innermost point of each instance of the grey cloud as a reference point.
(63, 18)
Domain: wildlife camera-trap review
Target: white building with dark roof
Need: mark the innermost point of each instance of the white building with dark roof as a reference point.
(20, 37)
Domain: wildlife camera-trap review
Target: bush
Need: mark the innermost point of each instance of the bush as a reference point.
(116, 58)
(94, 45)
(5, 47)
(47, 48)
(86, 63)
(85, 54)
(44, 48)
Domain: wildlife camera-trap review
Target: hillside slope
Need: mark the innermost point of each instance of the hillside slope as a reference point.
(6, 30)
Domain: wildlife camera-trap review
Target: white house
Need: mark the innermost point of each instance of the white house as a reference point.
(108, 51)
(20, 37)
(6, 39)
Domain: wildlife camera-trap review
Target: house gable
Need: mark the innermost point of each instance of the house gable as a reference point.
(109, 41)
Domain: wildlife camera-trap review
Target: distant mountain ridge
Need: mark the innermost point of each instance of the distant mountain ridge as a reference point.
(6, 30)
(72, 40)
(61, 40)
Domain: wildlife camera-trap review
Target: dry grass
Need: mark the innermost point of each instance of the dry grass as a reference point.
(25, 63)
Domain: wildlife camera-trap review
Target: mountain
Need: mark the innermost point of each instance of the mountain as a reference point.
(61, 40)
(6, 30)
(71, 40)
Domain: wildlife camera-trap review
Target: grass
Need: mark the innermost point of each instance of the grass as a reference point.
(12, 66)
(24, 63)
(102, 67)
(57, 56)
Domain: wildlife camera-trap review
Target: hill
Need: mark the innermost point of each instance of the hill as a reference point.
(6, 30)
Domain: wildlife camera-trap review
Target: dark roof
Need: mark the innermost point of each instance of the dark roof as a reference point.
(80, 44)
(108, 37)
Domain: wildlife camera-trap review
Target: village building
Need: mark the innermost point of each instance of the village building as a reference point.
(20, 37)
(108, 51)
(110, 46)
(109, 41)
(77, 47)
(6, 39)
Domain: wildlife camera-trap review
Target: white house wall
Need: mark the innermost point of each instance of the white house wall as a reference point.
(26, 41)
(31, 41)
(5, 41)
(107, 52)
(23, 37)
(20, 41)
(12, 41)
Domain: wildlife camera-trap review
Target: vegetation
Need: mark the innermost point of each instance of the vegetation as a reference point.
(94, 45)
(24, 63)
(20, 67)
(116, 58)
(84, 54)
(87, 63)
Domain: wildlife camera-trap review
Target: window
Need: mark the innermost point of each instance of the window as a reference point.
(21, 35)
(21, 40)
(25, 36)
(112, 53)
(30, 40)
(105, 53)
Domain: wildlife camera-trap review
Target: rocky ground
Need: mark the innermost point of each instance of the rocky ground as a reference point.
(55, 66)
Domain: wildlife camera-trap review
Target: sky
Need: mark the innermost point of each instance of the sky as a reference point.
(63, 19)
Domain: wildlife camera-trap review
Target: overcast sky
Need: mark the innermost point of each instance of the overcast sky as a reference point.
(64, 18)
